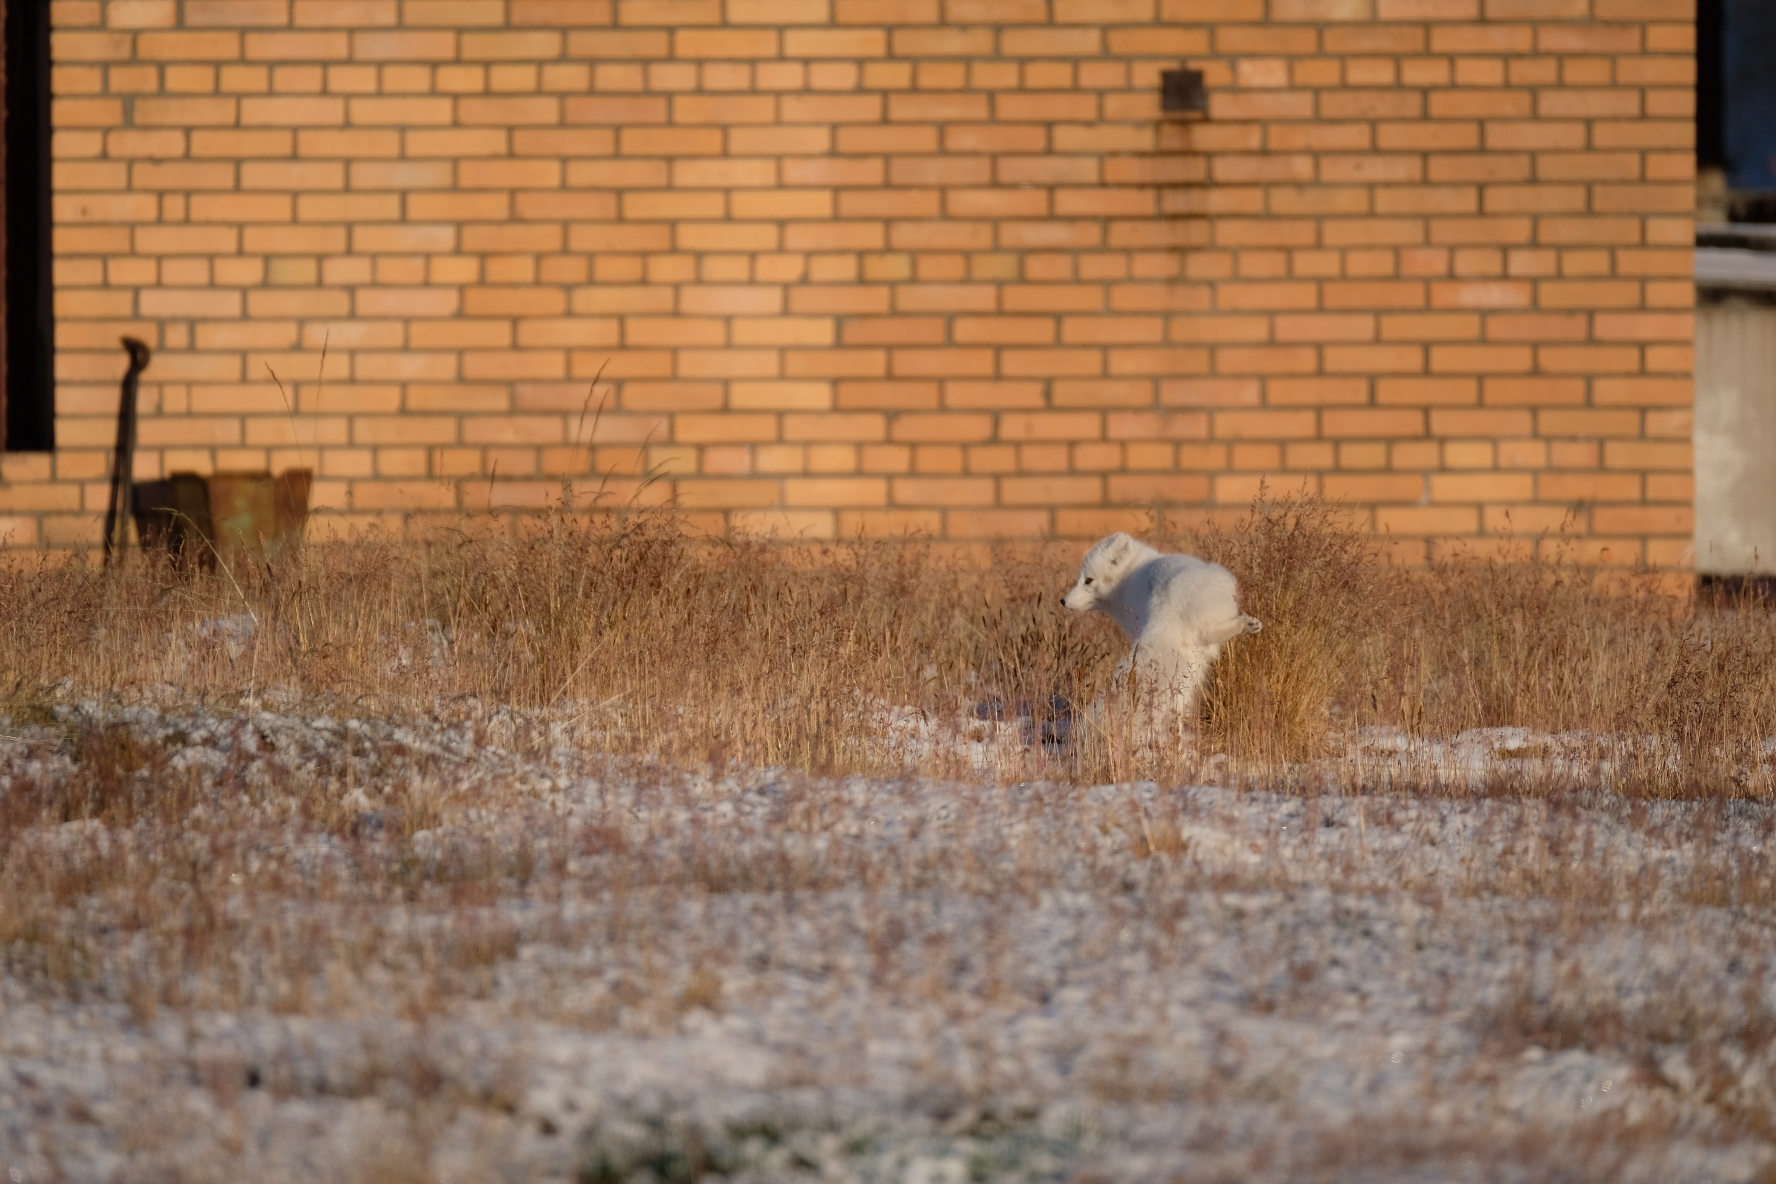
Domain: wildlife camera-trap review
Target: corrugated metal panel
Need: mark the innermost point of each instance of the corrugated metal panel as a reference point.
(1736, 439)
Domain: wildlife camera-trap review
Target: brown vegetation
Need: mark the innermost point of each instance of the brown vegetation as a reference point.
(650, 641)
(401, 782)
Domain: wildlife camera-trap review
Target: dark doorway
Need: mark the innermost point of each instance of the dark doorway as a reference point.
(27, 320)
(1736, 109)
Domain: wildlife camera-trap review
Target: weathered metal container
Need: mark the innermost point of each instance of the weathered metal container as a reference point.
(175, 514)
(254, 511)
(225, 516)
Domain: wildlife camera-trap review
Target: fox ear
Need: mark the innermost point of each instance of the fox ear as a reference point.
(1117, 546)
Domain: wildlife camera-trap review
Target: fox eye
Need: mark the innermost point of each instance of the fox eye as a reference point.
(1088, 581)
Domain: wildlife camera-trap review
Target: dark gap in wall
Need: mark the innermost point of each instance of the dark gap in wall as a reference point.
(1711, 149)
(27, 379)
(1736, 111)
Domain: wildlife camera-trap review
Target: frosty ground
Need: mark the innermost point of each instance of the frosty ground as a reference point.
(286, 946)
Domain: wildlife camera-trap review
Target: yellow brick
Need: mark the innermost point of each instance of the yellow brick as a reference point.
(957, 291)
(835, 491)
(707, 493)
(780, 396)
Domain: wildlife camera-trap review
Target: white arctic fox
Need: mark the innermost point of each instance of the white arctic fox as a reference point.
(1178, 612)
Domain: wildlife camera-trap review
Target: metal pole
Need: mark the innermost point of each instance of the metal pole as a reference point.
(117, 511)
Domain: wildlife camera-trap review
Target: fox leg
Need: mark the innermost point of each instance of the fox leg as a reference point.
(1226, 631)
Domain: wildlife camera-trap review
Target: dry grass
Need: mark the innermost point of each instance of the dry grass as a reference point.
(696, 652)
(547, 808)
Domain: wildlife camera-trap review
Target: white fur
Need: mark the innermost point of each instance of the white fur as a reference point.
(1177, 610)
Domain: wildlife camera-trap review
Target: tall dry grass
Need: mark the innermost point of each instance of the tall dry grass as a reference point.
(1524, 638)
(650, 642)
(278, 866)
(1328, 603)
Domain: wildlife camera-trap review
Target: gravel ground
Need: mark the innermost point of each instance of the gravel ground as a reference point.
(306, 948)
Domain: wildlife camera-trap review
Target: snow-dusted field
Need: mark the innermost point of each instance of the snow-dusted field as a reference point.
(333, 950)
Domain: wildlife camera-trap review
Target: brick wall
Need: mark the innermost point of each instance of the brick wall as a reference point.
(886, 264)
